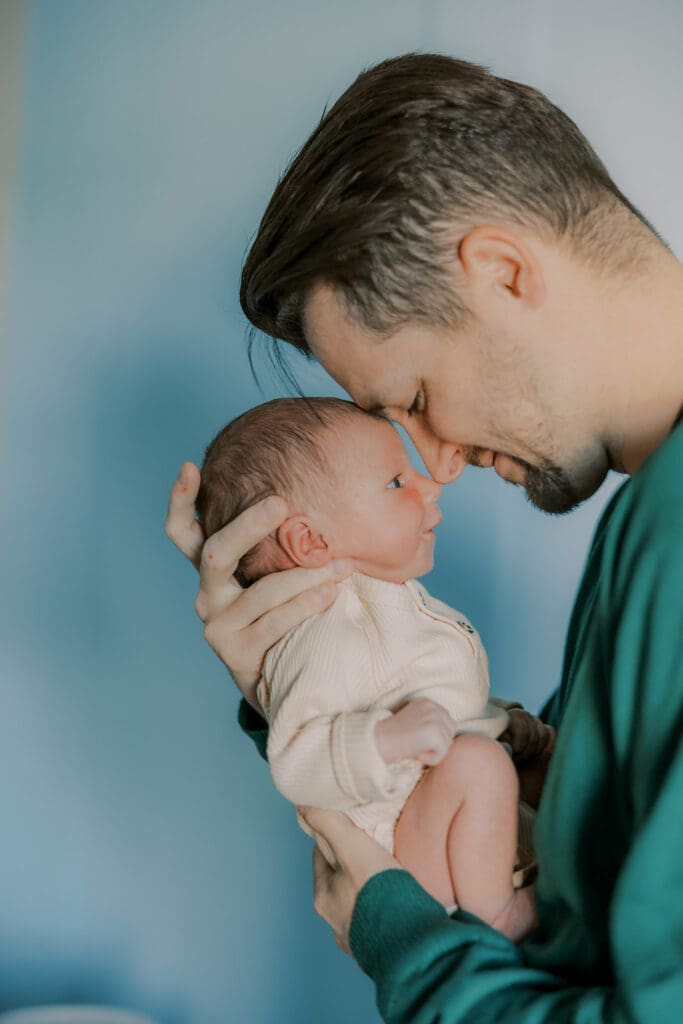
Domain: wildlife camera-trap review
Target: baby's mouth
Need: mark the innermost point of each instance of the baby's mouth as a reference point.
(435, 522)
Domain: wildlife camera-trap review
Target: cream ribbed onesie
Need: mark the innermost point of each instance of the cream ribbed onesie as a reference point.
(328, 682)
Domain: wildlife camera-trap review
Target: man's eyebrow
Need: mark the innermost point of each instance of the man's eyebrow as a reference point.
(376, 408)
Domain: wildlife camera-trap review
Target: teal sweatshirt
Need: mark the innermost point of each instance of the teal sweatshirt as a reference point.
(609, 832)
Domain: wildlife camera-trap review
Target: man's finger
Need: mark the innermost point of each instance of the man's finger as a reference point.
(356, 857)
(352, 848)
(324, 878)
(224, 549)
(181, 526)
(322, 872)
(280, 590)
(334, 828)
(255, 638)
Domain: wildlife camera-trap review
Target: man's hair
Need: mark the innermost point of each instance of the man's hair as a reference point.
(419, 149)
(274, 448)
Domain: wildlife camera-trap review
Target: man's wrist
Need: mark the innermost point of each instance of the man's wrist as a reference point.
(389, 911)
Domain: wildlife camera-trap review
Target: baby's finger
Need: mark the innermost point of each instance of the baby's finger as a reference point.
(181, 526)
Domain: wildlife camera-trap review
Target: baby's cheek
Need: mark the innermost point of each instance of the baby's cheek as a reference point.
(414, 496)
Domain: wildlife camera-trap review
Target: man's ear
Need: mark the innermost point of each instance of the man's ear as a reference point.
(303, 542)
(498, 263)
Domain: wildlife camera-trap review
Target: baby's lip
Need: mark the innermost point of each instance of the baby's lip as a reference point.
(434, 523)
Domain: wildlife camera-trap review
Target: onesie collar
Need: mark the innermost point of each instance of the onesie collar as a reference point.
(393, 595)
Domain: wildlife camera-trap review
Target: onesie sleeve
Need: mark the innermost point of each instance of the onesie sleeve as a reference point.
(317, 694)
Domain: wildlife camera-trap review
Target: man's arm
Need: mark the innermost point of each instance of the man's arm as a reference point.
(428, 967)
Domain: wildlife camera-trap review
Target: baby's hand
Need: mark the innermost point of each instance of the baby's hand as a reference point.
(528, 736)
(422, 729)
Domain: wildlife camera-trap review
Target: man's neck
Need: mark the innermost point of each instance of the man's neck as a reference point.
(645, 349)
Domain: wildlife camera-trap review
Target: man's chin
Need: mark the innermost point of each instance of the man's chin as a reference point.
(550, 489)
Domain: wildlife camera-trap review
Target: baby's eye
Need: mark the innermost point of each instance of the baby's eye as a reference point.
(396, 482)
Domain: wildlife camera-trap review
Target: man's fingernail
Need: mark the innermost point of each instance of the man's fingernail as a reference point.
(181, 474)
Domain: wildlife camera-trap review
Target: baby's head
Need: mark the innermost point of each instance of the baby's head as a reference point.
(346, 477)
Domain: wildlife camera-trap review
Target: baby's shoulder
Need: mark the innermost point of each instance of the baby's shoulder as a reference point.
(340, 628)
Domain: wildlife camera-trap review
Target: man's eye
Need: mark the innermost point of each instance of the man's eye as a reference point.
(416, 405)
(396, 482)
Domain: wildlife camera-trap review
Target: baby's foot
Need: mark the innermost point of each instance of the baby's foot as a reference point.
(518, 918)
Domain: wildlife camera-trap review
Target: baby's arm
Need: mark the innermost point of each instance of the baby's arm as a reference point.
(323, 744)
(421, 729)
(330, 760)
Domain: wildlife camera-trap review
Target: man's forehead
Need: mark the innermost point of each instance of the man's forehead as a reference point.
(364, 366)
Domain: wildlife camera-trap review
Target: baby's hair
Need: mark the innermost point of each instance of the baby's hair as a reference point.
(274, 448)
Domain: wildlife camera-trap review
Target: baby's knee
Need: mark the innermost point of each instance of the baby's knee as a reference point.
(484, 762)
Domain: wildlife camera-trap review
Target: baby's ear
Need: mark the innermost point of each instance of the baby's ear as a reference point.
(303, 542)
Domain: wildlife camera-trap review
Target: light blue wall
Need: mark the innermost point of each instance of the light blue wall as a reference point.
(145, 857)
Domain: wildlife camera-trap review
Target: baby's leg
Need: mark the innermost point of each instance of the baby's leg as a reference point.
(457, 835)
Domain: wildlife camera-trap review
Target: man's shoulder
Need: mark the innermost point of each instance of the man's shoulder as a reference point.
(649, 509)
(643, 550)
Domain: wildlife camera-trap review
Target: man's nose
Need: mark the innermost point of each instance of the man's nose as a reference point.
(444, 460)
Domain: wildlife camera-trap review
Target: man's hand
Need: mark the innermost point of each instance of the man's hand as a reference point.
(355, 858)
(528, 736)
(421, 729)
(240, 625)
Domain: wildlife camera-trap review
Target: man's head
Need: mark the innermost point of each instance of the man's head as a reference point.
(348, 481)
(438, 207)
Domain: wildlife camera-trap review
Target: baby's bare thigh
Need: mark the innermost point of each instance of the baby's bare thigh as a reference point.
(421, 837)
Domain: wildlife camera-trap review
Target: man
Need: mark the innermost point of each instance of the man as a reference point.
(450, 248)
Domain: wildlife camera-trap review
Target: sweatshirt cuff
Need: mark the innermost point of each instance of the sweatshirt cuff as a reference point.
(396, 926)
(391, 914)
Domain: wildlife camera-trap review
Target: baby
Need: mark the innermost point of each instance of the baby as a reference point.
(364, 698)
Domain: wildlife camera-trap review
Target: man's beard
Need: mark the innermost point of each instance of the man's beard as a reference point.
(549, 486)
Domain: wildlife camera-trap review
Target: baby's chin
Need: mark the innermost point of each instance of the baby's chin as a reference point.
(399, 574)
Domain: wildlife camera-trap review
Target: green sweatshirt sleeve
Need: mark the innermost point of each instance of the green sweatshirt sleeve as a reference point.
(628, 685)
(255, 727)
(428, 967)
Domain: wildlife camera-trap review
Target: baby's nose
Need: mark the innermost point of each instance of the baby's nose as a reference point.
(431, 489)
